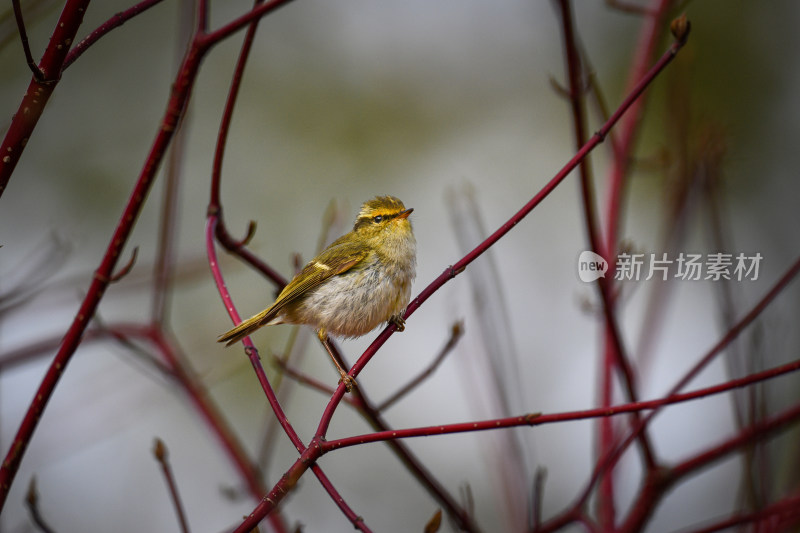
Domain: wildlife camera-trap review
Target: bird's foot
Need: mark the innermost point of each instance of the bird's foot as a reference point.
(398, 321)
(349, 382)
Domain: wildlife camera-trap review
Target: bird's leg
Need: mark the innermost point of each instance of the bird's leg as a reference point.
(347, 380)
(398, 321)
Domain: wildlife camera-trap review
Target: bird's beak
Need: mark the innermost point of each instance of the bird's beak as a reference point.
(404, 214)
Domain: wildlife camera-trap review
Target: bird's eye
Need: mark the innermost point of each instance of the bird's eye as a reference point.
(378, 219)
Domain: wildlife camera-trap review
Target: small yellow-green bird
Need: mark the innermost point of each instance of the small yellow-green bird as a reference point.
(360, 281)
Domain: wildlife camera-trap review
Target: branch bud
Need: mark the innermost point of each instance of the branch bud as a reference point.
(680, 28)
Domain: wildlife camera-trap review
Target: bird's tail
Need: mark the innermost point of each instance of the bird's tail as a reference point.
(247, 327)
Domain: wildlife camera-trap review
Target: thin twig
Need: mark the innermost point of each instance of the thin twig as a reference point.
(650, 36)
(674, 393)
(537, 498)
(452, 271)
(16, 137)
(629, 7)
(215, 227)
(202, 17)
(456, 332)
(211, 414)
(498, 374)
(656, 488)
(575, 72)
(124, 335)
(232, 245)
(538, 419)
(38, 75)
(357, 521)
(250, 349)
(267, 445)
(32, 501)
(162, 456)
(29, 274)
(114, 22)
(731, 334)
(613, 351)
(370, 414)
(94, 294)
(164, 265)
(39, 90)
(303, 378)
(311, 453)
(126, 268)
(783, 515)
(462, 517)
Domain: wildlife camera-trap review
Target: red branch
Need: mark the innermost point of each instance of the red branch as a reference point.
(250, 349)
(613, 356)
(629, 128)
(452, 271)
(780, 516)
(538, 419)
(656, 487)
(318, 443)
(39, 91)
(114, 22)
(238, 248)
(162, 456)
(657, 479)
(15, 139)
(605, 462)
(216, 227)
(577, 87)
(717, 349)
(192, 386)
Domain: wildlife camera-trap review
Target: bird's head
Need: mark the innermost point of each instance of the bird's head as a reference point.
(383, 217)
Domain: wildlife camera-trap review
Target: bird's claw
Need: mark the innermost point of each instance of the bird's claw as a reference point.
(398, 321)
(349, 382)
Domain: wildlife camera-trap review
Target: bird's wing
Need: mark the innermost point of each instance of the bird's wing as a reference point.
(337, 259)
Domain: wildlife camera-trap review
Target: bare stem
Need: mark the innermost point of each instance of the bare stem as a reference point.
(23, 124)
(72, 338)
(605, 462)
(452, 271)
(250, 349)
(114, 22)
(39, 91)
(236, 247)
(162, 456)
(355, 519)
(38, 75)
(538, 419)
(456, 332)
(32, 501)
(781, 516)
